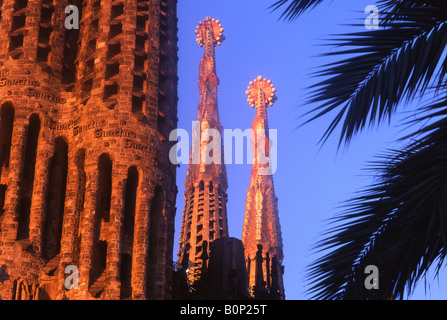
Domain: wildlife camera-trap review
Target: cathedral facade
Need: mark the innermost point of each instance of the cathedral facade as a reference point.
(86, 182)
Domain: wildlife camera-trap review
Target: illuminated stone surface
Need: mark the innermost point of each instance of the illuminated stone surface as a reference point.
(261, 228)
(205, 213)
(85, 173)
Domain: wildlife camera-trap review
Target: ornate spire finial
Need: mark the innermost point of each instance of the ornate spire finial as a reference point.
(261, 222)
(209, 29)
(261, 92)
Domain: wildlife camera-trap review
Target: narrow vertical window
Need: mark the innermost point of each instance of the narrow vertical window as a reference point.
(26, 193)
(126, 276)
(140, 62)
(18, 29)
(79, 204)
(91, 28)
(102, 215)
(69, 64)
(156, 241)
(6, 127)
(130, 201)
(99, 262)
(55, 199)
(104, 188)
(111, 87)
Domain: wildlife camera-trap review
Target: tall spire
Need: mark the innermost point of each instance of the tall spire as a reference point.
(261, 229)
(205, 214)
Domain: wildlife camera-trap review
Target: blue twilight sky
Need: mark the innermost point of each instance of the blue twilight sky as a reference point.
(310, 182)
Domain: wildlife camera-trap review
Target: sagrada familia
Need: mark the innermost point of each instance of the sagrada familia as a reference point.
(87, 188)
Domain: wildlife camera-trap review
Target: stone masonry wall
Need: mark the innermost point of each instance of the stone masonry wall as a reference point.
(85, 177)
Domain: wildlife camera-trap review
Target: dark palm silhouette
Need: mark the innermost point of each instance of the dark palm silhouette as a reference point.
(399, 223)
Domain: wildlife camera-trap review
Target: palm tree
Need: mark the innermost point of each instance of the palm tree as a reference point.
(399, 223)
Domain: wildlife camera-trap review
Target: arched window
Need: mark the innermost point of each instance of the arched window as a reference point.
(57, 181)
(29, 164)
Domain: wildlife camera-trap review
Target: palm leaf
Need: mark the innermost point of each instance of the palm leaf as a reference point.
(294, 8)
(384, 67)
(398, 224)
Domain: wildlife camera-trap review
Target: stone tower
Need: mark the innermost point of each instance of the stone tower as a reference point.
(261, 235)
(205, 214)
(86, 180)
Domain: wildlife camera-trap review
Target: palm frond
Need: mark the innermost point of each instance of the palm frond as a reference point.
(399, 224)
(383, 67)
(294, 8)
